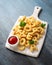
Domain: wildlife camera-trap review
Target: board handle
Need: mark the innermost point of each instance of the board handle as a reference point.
(36, 12)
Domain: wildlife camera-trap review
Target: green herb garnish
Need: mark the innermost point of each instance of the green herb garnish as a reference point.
(43, 25)
(31, 42)
(22, 23)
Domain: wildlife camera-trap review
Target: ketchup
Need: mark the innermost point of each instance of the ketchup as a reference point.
(12, 40)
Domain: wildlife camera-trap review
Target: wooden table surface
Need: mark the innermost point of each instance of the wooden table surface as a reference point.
(10, 10)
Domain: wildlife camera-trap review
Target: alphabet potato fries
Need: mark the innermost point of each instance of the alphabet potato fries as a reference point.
(29, 31)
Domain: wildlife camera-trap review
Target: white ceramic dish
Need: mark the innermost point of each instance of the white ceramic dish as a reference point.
(41, 41)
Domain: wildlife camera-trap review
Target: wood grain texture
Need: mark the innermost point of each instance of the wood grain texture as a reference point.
(10, 10)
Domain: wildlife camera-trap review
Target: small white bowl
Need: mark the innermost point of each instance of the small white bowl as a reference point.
(13, 45)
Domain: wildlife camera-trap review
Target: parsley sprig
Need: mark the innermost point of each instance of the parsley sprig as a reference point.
(22, 23)
(43, 25)
(31, 41)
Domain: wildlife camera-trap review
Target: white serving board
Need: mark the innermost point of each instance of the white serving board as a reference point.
(41, 41)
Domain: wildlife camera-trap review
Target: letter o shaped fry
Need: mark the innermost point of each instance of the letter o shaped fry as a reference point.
(27, 28)
(22, 41)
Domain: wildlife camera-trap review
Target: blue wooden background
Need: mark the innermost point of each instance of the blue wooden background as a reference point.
(10, 10)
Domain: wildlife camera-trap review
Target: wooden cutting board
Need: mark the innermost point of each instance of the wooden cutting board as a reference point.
(35, 14)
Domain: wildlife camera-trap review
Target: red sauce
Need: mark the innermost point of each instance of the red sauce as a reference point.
(12, 40)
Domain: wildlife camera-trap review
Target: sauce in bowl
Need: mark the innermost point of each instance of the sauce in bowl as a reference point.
(13, 40)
